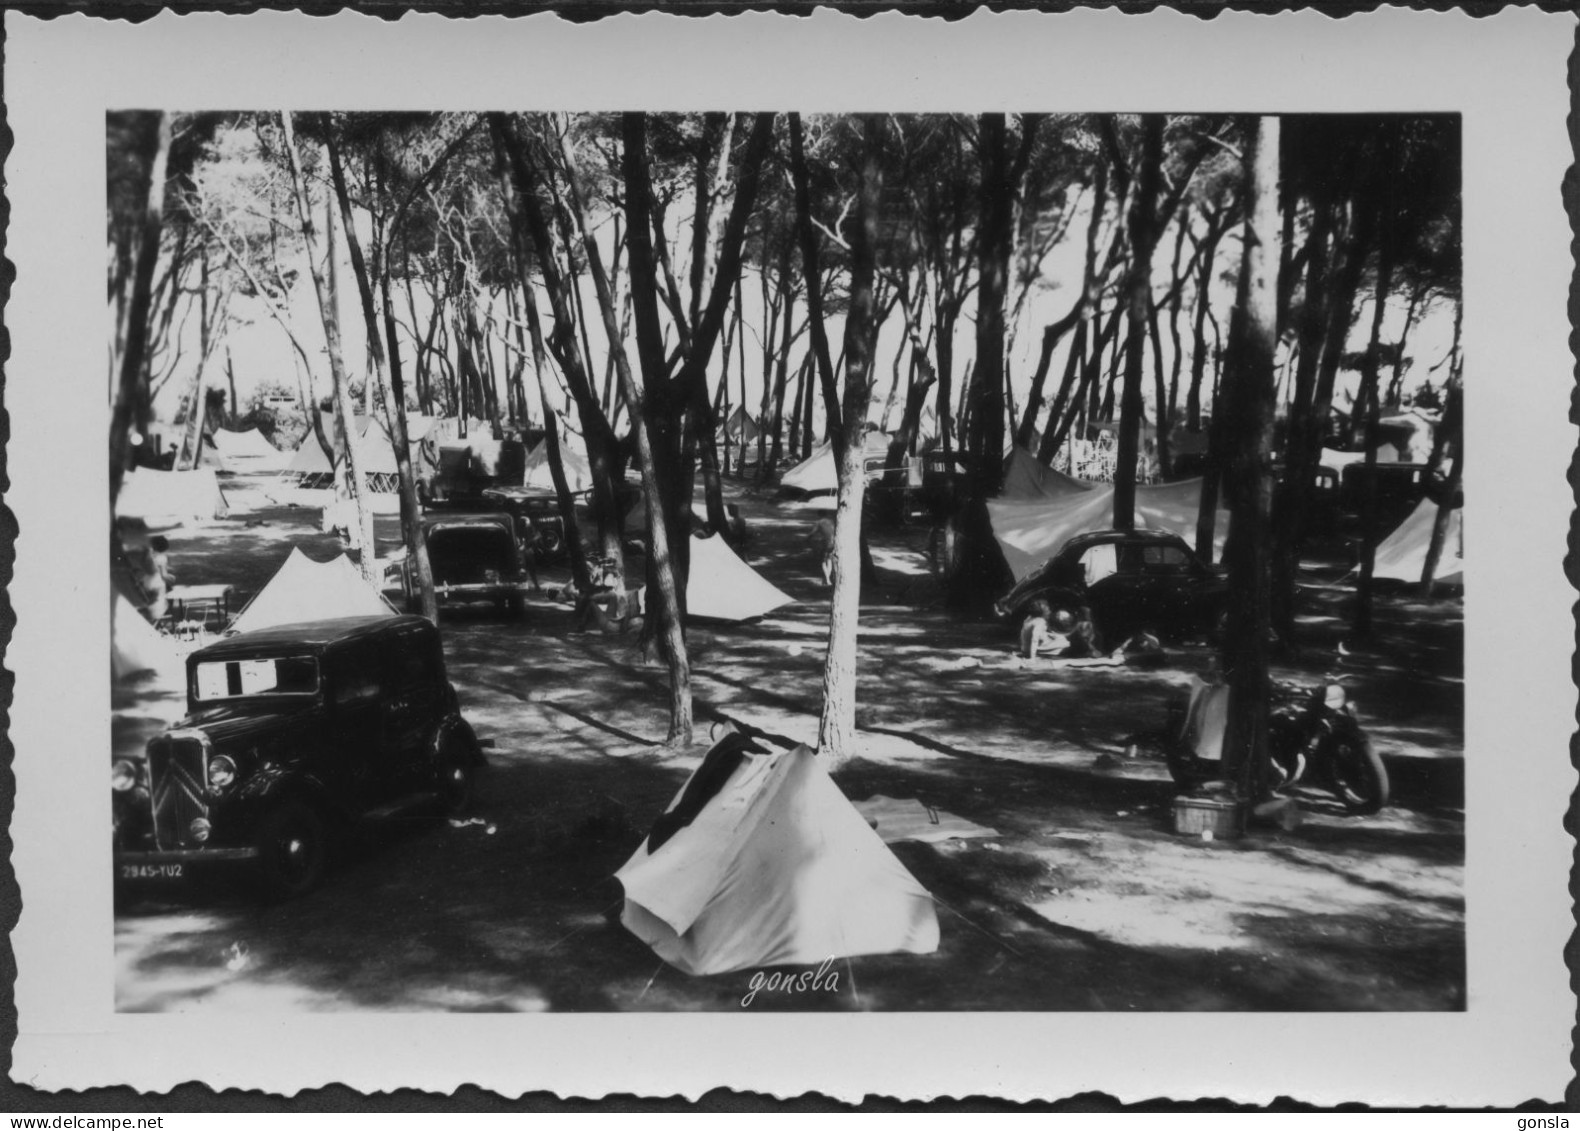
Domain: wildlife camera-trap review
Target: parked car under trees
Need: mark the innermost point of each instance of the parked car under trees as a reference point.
(294, 737)
(1131, 581)
(475, 557)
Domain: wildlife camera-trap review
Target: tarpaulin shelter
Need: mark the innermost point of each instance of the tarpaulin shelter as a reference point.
(1030, 531)
(171, 498)
(303, 590)
(1338, 461)
(723, 587)
(773, 868)
(1027, 478)
(1402, 555)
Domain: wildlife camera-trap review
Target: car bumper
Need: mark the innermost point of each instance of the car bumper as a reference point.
(184, 856)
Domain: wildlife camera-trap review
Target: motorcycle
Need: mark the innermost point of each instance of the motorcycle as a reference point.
(1314, 738)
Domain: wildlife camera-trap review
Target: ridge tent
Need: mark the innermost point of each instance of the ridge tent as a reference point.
(311, 464)
(1030, 531)
(817, 472)
(723, 587)
(536, 472)
(1402, 555)
(136, 647)
(171, 498)
(1026, 478)
(242, 450)
(302, 590)
(740, 427)
(774, 868)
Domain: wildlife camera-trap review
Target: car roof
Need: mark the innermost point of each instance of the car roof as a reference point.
(1139, 534)
(310, 636)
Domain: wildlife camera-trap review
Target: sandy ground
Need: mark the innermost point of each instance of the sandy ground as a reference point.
(1084, 900)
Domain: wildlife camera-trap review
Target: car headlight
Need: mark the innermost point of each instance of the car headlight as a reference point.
(1333, 697)
(200, 830)
(491, 576)
(221, 772)
(123, 775)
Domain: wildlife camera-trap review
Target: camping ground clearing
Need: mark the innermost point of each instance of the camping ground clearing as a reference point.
(1085, 900)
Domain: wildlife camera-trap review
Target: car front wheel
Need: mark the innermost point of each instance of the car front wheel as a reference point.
(293, 850)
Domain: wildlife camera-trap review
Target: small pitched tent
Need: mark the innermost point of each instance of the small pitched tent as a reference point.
(1338, 461)
(818, 472)
(1402, 555)
(311, 464)
(761, 861)
(723, 587)
(740, 427)
(536, 473)
(249, 450)
(1030, 531)
(137, 648)
(171, 498)
(303, 590)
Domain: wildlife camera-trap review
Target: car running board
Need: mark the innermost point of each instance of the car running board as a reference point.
(405, 806)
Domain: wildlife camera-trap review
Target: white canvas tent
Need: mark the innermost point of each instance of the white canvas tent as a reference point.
(1338, 461)
(1402, 555)
(723, 587)
(249, 450)
(171, 498)
(740, 427)
(537, 475)
(137, 648)
(303, 590)
(1030, 531)
(776, 869)
(818, 473)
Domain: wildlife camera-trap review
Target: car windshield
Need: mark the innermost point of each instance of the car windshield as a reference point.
(277, 675)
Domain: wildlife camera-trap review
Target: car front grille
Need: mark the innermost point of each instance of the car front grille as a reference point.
(178, 771)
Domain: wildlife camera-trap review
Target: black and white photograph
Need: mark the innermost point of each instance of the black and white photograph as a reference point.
(742, 556)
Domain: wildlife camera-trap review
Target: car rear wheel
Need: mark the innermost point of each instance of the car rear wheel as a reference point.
(293, 850)
(456, 773)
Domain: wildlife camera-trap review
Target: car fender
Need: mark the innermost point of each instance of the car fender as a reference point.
(273, 784)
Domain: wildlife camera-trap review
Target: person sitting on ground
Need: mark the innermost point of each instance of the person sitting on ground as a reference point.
(1034, 638)
(822, 540)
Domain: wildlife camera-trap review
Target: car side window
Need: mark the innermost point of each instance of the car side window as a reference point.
(358, 680)
(1166, 559)
(414, 669)
(1099, 562)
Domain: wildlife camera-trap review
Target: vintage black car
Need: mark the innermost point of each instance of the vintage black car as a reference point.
(1131, 580)
(295, 735)
(475, 556)
(538, 519)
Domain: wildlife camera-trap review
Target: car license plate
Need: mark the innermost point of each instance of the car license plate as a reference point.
(171, 871)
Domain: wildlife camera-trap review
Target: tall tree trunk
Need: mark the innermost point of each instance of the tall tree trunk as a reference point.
(602, 445)
(1369, 383)
(837, 727)
(394, 398)
(133, 367)
(362, 550)
(812, 271)
(1199, 351)
(1138, 297)
(670, 581)
(1246, 650)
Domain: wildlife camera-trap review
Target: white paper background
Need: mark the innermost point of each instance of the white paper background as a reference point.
(1505, 73)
